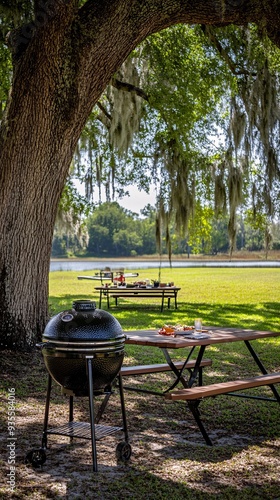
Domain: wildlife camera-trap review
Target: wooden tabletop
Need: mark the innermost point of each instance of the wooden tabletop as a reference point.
(216, 335)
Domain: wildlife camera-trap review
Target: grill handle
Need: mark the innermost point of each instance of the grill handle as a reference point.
(41, 345)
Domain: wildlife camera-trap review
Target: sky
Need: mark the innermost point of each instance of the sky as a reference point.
(137, 200)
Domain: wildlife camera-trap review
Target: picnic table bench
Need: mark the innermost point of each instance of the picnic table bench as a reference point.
(164, 367)
(164, 293)
(194, 395)
(197, 393)
(177, 367)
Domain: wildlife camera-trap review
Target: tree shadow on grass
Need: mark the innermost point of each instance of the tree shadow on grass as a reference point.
(142, 314)
(161, 466)
(169, 456)
(170, 459)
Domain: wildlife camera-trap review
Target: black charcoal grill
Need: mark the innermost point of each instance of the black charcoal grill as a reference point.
(83, 350)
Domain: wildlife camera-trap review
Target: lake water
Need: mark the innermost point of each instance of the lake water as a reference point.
(80, 265)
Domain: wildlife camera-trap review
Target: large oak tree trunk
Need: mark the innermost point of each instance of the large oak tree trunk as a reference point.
(62, 63)
(35, 163)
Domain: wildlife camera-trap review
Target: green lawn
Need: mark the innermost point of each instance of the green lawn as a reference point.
(223, 297)
(169, 457)
(236, 297)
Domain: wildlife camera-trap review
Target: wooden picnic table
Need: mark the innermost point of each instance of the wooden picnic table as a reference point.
(191, 393)
(164, 293)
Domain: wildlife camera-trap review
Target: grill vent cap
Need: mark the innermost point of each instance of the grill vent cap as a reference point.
(84, 305)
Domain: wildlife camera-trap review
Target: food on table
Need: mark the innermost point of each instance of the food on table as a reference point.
(170, 330)
(166, 330)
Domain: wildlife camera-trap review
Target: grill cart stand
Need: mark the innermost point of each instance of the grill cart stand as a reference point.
(83, 430)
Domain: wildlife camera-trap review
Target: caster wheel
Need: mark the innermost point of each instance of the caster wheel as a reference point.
(123, 452)
(36, 458)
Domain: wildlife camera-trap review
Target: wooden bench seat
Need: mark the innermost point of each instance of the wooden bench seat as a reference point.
(161, 367)
(166, 295)
(142, 295)
(139, 294)
(194, 395)
(223, 387)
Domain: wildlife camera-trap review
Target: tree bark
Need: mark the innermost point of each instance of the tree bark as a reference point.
(62, 62)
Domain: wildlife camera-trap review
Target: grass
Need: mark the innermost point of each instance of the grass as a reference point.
(222, 296)
(170, 459)
(237, 297)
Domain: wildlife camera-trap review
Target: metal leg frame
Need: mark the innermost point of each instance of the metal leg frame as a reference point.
(105, 401)
(96, 432)
(263, 370)
(193, 406)
(168, 300)
(102, 407)
(196, 372)
(71, 413)
(175, 370)
(123, 408)
(46, 417)
(106, 295)
(91, 411)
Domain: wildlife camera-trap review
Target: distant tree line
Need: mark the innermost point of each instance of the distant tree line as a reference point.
(113, 231)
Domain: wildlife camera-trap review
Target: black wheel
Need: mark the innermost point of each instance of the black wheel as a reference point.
(123, 451)
(36, 457)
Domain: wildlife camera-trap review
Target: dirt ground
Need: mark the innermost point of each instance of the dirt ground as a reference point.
(169, 456)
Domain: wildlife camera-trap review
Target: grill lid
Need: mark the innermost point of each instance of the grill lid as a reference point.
(84, 322)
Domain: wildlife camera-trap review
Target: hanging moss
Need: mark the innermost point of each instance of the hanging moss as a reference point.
(252, 117)
(237, 124)
(254, 129)
(235, 183)
(126, 108)
(220, 196)
(232, 231)
(267, 239)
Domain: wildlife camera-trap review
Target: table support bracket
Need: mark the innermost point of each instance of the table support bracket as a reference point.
(175, 370)
(193, 406)
(261, 367)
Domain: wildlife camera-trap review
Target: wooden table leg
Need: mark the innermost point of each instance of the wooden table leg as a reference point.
(162, 301)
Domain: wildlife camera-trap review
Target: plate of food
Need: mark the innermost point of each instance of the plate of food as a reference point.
(173, 330)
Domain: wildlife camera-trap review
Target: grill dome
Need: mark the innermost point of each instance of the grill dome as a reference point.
(73, 335)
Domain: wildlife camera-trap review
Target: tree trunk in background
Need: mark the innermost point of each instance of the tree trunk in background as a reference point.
(62, 63)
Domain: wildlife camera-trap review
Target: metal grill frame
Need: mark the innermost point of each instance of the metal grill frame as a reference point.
(84, 430)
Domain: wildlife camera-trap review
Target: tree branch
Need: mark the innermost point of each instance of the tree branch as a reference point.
(155, 15)
(128, 87)
(104, 110)
(223, 53)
